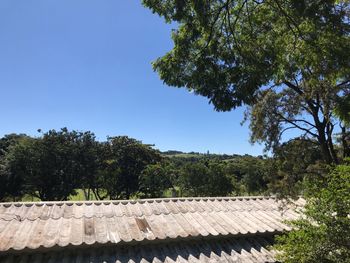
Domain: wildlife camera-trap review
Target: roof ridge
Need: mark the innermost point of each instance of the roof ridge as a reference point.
(134, 201)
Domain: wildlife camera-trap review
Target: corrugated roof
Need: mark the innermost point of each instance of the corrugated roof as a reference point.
(241, 250)
(28, 226)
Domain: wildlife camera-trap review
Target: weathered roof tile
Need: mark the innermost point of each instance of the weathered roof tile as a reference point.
(49, 224)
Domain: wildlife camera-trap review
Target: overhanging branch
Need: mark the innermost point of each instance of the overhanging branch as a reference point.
(308, 131)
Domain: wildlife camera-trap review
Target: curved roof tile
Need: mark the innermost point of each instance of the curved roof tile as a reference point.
(62, 224)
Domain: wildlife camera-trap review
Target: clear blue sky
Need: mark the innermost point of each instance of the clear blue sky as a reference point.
(86, 65)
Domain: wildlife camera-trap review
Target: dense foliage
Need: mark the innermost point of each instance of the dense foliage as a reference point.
(125, 159)
(294, 161)
(58, 165)
(208, 179)
(155, 179)
(323, 234)
(287, 61)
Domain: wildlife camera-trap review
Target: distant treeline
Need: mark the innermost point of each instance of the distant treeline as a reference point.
(58, 165)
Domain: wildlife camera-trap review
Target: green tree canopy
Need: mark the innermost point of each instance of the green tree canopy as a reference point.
(89, 157)
(10, 140)
(287, 61)
(54, 166)
(200, 179)
(12, 177)
(323, 234)
(51, 167)
(251, 173)
(293, 162)
(154, 180)
(123, 164)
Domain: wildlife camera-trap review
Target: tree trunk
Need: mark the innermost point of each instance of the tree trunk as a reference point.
(96, 194)
(346, 150)
(86, 195)
(324, 148)
(325, 140)
(332, 151)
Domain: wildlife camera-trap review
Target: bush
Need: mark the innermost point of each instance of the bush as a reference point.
(323, 235)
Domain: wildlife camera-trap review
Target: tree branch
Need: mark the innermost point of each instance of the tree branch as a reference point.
(297, 126)
(286, 129)
(293, 87)
(305, 121)
(343, 83)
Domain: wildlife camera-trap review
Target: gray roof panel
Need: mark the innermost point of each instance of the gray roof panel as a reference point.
(65, 224)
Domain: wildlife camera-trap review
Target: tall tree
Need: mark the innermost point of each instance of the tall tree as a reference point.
(201, 179)
(88, 154)
(154, 180)
(287, 61)
(53, 165)
(12, 179)
(53, 169)
(125, 159)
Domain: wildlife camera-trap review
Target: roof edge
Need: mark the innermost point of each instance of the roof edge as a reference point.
(133, 201)
(157, 241)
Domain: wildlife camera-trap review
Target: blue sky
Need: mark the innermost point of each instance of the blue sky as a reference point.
(86, 65)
